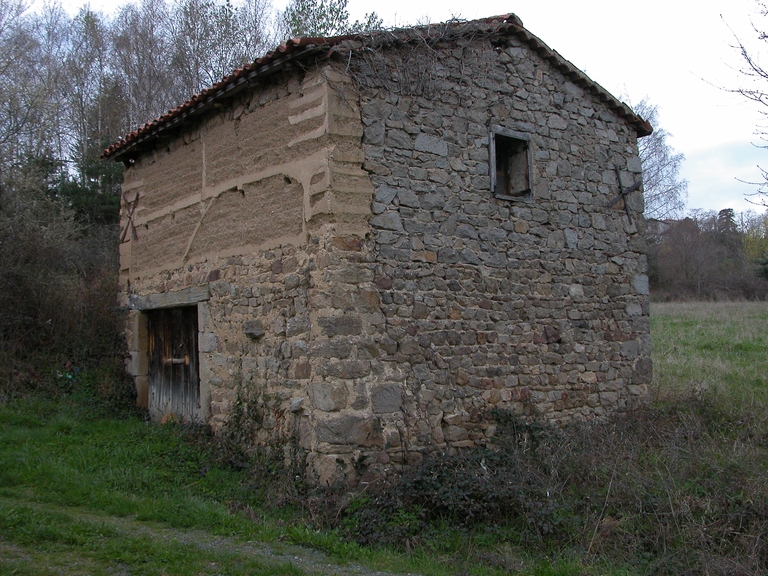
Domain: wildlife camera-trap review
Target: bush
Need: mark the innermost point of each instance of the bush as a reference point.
(57, 290)
(667, 490)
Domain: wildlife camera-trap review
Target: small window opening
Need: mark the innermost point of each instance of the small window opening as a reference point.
(510, 157)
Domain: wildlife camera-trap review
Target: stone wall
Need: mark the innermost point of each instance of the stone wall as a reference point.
(413, 303)
(538, 307)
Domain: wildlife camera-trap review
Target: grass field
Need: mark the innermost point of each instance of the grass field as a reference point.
(681, 488)
(715, 349)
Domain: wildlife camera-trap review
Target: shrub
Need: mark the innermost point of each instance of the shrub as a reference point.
(669, 490)
(57, 290)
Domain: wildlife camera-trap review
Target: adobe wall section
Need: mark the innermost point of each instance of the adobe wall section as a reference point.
(259, 174)
(218, 204)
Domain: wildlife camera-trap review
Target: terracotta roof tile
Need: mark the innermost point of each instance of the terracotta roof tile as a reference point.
(296, 48)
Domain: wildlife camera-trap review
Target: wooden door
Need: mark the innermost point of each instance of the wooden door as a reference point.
(174, 382)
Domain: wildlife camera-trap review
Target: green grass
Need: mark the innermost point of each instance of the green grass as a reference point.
(104, 495)
(103, 545)
(682, 487)
(57, 468)
(712, 349)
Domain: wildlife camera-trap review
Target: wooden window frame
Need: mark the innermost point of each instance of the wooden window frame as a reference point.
(495, 136)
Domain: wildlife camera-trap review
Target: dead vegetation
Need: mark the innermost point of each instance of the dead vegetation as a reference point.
(671, 490)
(677, 488)
(58, 310)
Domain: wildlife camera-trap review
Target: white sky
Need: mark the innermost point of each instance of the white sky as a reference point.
(676, 53)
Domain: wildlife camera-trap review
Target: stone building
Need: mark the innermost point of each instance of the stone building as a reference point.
(369, 245)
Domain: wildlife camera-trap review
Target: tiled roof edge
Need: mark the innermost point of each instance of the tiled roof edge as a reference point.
(303, 47)
(570, 71)
(289, 50)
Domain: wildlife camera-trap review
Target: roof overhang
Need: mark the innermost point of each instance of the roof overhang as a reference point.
(304, 49)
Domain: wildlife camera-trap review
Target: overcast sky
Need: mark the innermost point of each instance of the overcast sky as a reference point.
(676, 53)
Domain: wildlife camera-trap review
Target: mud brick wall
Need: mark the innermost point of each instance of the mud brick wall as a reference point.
(215, 207)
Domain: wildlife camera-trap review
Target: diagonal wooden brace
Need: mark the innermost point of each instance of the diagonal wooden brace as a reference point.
(129, 225)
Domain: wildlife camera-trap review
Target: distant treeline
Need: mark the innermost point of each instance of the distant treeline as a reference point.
(709, 255)
(69, 86)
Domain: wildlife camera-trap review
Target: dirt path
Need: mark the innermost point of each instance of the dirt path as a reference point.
(273, 554)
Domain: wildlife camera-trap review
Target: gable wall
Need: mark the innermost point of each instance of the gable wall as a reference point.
(539, 309)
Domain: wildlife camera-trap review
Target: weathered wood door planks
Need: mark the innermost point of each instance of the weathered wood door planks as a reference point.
(174, 383)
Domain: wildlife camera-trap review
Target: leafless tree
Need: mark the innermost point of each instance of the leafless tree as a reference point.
(140, 53)
(87, 78)
(32, 47)
(256, 18)
(16, 40)
(710, 255)
(665, 191)
(755, 77)
(211, 38)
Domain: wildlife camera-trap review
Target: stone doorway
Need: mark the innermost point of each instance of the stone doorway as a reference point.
(174, 380)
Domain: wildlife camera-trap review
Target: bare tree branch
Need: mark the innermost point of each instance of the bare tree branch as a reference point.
(665, 191)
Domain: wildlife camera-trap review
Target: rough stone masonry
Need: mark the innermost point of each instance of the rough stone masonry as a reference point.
(362, 294)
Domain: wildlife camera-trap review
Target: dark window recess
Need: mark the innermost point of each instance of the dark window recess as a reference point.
(510, 156)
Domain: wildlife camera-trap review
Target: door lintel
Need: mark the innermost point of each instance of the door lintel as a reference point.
(178, 298)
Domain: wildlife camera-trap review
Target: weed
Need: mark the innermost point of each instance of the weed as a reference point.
(679, 487)
(655, 489)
